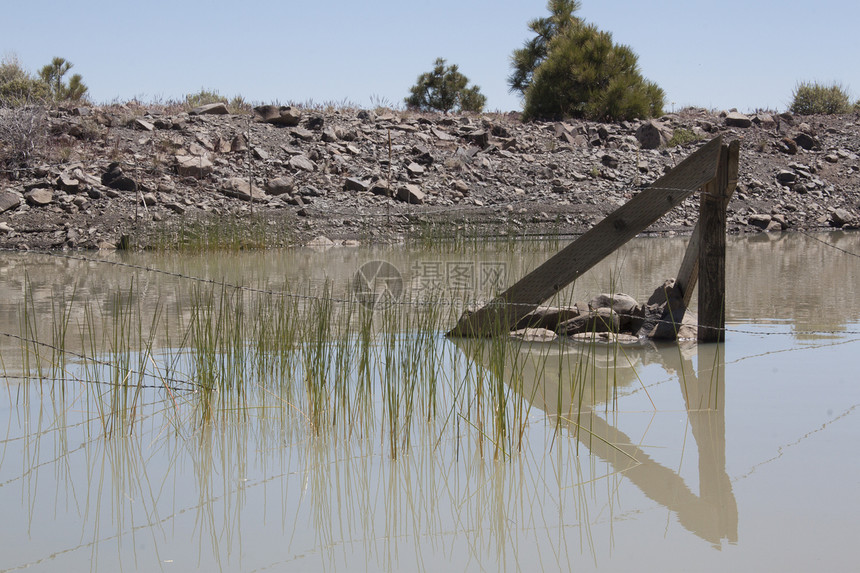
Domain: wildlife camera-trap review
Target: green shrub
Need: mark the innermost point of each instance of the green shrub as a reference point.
(572, 69)
(682, 136)
(814, 98)
(444, 89)
(203, 97)
(17, 87)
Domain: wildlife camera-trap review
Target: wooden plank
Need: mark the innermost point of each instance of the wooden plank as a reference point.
(500, 314)
(688, 274)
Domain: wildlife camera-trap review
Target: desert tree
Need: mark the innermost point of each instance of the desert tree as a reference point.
(52, 74)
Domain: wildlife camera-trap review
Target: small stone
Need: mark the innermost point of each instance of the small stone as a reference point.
(535, 335)
(415, 170)
(143, 124)
(280, 186)
(283, 115)
(786, 177)
(840, 218)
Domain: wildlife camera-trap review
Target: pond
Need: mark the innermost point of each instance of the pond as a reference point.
(302, 410)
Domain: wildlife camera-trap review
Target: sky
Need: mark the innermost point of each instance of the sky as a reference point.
(746, 55)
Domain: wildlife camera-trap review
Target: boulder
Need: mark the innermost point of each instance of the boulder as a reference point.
(665, 314)
(39, 197)
(840, 218)
(353, 184)
(302, 163)
(549, 317)
(279, 115)
(737, 119)
(115, 179)
(197, 167)
(218, 108)
(280, 186)
(805, 141)
(8, 201)
(411, 194)
(653, 134)
(240, 188)
(600, 320)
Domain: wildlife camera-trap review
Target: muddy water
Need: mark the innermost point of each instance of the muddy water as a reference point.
(658, 457)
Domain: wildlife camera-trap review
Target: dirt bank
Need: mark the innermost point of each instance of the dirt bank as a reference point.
(161, 176)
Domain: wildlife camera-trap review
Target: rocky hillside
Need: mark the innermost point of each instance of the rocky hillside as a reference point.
(290, 176)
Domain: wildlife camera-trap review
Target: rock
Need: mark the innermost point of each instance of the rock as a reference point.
(321, 242)
(665, 316)
(609, 161)
(39, 197)
(5, 228)
(197, 167)
(149, 199)
(115, 179)
(9, 201)
(143, 124)
(280, 186)
(786, 145)
(66, 182)
(218, 108)
(653, 134)
(805, 141)
(599, 320)
(840, 218)
(737, 119)
(534, 335)
(761, 221)
(622, 304)
(381, 189)
(302, 163)
(353, 184)
(240, 188)
(411, 194)
(260, 153)
(786, 177)
(415, 170)
(549, 317)
(283, 115)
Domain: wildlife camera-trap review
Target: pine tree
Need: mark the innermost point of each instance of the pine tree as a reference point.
(573, 69)
(52, 74)
(445, 89)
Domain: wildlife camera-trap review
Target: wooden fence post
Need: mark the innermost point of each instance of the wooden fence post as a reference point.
(712, 246)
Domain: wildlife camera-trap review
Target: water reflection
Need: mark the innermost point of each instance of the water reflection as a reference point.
(573, 381)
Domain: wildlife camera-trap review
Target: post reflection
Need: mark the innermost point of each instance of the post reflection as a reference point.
(577, 385)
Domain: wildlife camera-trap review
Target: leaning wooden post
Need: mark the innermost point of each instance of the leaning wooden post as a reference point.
(712, 250)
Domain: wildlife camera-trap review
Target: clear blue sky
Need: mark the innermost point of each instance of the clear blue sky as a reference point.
(717, 55)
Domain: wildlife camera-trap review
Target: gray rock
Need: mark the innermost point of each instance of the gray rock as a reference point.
(786, 177)
(762, 221)
(283, 115)
(197, 167)
(737, 119)
(240, 188)
(39, 197)
(534, 335)
(411, 194)
(353, 184)
(840, 217)
(115, 179)
(805, 141)
(302, 163)
(280, 186)
(653, 134)
(218, 108)
(9, 201)
(415, 170)
(549, 317)
(143, 124)
(600, 320)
